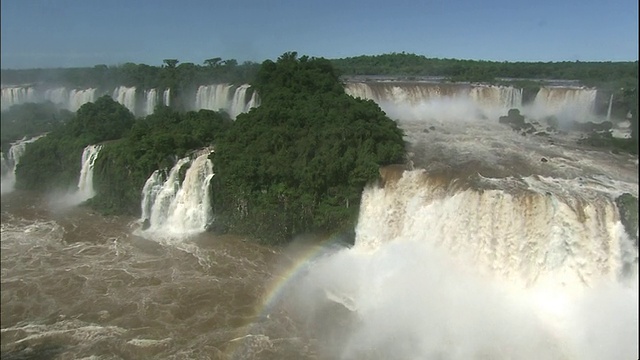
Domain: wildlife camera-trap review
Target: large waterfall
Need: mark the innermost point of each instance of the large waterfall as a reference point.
(225, 97)
(178, 204)
(230, 98)
(13, 158)
(488, 244)
(63, 97)
(528, 231)
(85, 182)
(151, 101)
(423, 100)
(513, 268)
(126, 96)
(565, 103)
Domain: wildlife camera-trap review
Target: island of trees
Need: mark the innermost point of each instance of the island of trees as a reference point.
(298, 163)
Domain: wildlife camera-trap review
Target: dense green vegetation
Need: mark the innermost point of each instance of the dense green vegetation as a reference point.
(300, 161)
(403, 64)
(172, 74)
(53, 162)
(29, 120)
(154, 142)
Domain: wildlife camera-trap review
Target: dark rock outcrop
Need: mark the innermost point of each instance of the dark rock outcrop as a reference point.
(628, 208)
(513, 119)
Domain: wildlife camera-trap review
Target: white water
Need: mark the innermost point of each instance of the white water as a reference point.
(63, 97)
(179, 208)
(219, 97)
(126, 96)
(151, 101)
(70, 99)
(609, 108)
(424, 100)
(440, 270)
(463, 101)
(85, 182)
(17, 95)
(566, 104)
(449, 264)
(9, 165)
(166, 97)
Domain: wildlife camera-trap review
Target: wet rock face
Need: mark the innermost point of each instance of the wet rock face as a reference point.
(628, 208)
(514, 119)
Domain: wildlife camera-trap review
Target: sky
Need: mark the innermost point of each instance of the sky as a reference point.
(72, 33)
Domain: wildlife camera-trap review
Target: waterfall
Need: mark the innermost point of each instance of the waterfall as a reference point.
(126, 96)
(61, 96)
(85, 183)
(540, 230)
(151, 100)
(213, 97)
(254, 102)
(9, 165)
(422, 100)
(166, 97)
(58, 96)
(17, 95)
(71, 100)
(609, 108)
(219, 97)
(178, 206)
(528, 268)
(565, 103)
(239, 102)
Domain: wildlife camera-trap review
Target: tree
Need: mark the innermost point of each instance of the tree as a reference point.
(231, 63)
(171, 63)
(300, 161)
(213, 62)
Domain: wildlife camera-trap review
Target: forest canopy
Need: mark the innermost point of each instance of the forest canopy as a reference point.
(300, 161)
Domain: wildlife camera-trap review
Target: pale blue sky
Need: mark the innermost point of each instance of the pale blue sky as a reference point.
(65, 33)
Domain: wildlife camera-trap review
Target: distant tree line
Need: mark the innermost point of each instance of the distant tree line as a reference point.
(172, 74)
(598, 74)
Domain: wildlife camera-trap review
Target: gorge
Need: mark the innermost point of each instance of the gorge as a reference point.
(464, 239)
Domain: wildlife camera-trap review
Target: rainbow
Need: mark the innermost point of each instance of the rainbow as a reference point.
(281, 281)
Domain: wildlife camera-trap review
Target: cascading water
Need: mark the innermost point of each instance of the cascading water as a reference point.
(178, 206)
(488, 244)
(239, 102)
(85, 183)
(254, 102)
(609, 108)
(566, 104)
(16, 151)
(151, 101)
(213, 97)
(17, 95)
(495, 268)
(218, 97)
(70, 99)
(166, 97)
(126, 96)
(424, 100)
(541, 230)
(61, 96)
